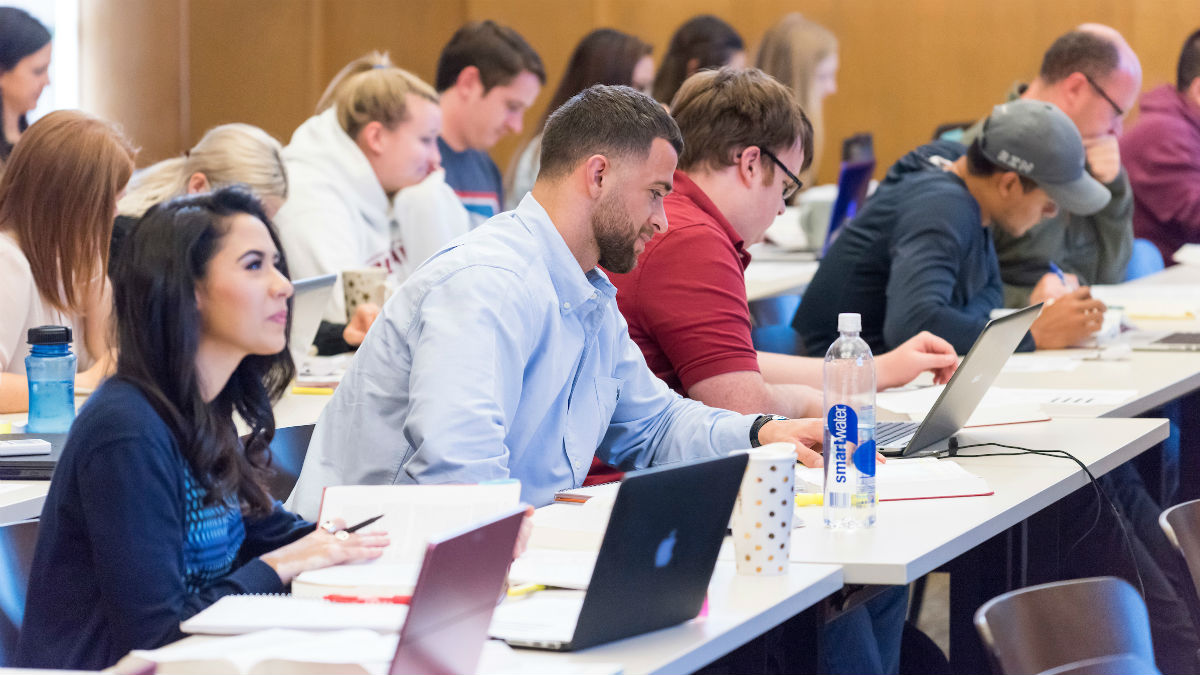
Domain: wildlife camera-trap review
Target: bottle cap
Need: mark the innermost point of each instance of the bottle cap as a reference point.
(50, 335)
(849, 323)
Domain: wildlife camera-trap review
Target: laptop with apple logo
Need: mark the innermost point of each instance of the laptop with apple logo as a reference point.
(654, 565)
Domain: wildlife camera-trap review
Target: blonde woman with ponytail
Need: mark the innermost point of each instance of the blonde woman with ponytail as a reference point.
(375, 133)
(227, 154)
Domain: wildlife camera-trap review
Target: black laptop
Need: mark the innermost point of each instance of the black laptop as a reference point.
(654, 565)
(31, 467)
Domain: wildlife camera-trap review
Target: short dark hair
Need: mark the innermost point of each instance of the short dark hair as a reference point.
(1080, 51)
(978, 164)
(705, 38)
(158, 323)
(1189, 62)
(722, 111)
(614, 121)
(499, 52)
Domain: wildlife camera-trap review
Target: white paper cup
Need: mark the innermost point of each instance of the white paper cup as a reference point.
(364, 285)
(762, 514)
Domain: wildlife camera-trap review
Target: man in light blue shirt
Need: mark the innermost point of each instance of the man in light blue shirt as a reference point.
(504, 355)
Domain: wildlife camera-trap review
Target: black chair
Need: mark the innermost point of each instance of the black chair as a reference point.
(1047, 627)
(17, 542)
(287, 458)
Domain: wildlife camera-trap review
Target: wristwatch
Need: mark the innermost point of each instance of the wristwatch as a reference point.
(758, 424)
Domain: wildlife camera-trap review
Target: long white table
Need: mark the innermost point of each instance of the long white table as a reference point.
(779, 276)
(912, 538)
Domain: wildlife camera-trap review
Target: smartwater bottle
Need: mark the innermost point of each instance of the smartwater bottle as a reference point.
(849, 429)
(50, 369)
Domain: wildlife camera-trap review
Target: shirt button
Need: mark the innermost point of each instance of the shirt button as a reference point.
(593, 295)
(566, 305)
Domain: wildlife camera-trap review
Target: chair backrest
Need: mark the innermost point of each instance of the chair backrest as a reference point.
(1145, 259)
(1039, 628)
(853, 181)
(17, 542)
(1120, 664)
(287, 458)
(1181, 524)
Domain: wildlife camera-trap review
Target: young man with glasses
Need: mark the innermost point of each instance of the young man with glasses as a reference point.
(1094, 77)
(745, 139)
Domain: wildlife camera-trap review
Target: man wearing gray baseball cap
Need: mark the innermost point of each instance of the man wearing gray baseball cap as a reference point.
(919, 256)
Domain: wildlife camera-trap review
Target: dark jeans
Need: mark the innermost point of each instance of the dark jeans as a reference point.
(1170, 596)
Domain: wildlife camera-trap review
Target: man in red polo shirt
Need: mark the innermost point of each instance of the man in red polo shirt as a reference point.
(745, 138)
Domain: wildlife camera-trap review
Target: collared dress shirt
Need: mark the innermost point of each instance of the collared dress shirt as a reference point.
(501, 358)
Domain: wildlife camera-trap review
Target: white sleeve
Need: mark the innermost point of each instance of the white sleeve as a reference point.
(429, 216)
(316, 241)
(18, 292)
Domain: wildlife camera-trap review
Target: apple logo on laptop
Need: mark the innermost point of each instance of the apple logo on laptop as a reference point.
(666, 550)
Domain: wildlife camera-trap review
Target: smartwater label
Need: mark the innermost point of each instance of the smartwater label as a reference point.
(864, 458)
(842, 423)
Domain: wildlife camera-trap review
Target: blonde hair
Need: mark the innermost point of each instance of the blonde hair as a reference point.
(790, 52)
(372, 89)
(57, 197)
(227, 154)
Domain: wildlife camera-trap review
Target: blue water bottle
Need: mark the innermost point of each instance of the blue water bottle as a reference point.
(50, 368)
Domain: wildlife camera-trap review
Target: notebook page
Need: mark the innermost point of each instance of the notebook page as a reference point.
(237, 614)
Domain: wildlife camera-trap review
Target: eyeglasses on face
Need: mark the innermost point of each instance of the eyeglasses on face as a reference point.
(790, 186)
(1103, 94)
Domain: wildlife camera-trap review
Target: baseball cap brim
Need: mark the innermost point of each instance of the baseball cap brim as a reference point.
(1083, 196)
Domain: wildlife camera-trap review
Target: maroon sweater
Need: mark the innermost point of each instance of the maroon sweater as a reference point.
(1162, 155)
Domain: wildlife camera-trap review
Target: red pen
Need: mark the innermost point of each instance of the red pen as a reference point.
(354, 599)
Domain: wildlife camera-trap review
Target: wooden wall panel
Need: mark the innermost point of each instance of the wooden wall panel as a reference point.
(132, 70)
(906, 66)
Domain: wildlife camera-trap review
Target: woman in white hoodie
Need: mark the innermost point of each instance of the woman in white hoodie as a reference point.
(375, 133)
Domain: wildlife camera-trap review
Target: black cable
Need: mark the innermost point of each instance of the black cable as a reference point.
(1102, 496)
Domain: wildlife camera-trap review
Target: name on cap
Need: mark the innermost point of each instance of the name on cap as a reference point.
(1018, 164)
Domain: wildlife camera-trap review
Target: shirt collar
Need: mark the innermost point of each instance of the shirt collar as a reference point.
(686, 188)
(573, 286)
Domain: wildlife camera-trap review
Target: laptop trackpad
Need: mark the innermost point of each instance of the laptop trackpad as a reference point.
(546, 616)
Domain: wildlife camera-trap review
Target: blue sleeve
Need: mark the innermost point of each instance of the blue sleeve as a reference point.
(652, 425)
(131, 489)
(927, 254)
(279, 528)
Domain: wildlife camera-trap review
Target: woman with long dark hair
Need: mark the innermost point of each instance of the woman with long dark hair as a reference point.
(603, 56)
(157, 509)
(24, 72)
(701, 43)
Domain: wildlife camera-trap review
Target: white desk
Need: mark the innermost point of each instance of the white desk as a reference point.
(779, 276)
(912, 538)
(739, 610)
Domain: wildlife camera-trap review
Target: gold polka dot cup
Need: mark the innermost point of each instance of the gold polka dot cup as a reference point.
(365, 285)
(762, 514)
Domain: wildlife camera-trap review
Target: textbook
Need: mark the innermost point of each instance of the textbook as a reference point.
(275, 651)
(413, 514)
(919, 478)
(239, 614)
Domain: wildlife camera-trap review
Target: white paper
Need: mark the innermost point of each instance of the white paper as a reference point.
(1035, 363)
(923, 477)
(1152, 301)
(237, 614)
(553, 567)
(401, 578)
(1188, 254)
(917, 402)
(578, 527)
(244, 651)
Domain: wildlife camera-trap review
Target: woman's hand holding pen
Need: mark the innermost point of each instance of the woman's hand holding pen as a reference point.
(326, 546)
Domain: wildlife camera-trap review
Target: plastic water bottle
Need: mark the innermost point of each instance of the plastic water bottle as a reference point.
(849, 429)
(50, 369)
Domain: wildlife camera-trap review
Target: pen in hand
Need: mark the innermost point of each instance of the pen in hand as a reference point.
(345, 533)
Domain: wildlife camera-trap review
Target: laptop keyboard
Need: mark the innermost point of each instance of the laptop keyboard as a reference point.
(887, 433)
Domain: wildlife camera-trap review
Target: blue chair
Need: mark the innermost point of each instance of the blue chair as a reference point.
(17, 543)
(287, 458)
(1041, 628)
(1146, 259)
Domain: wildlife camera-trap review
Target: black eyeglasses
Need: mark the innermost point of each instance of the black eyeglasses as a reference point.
(1103, 94)
(791, 188)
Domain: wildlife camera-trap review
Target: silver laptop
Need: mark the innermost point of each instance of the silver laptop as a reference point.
(1165, 341)
(979, 368)
(309, 298)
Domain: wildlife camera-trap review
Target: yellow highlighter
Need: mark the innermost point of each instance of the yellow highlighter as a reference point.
(317, 391)
(524, 589)
(809, 499)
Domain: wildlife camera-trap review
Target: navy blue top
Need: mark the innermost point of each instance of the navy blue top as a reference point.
(126, 549)
(917, 257)
(476, 180)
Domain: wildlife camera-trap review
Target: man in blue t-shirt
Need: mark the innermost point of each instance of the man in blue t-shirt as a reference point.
(487, 77)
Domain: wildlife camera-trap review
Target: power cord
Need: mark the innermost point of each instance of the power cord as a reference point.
(1101, 496)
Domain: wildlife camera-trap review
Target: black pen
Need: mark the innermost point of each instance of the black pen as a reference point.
(345, 532)
(368, 521)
